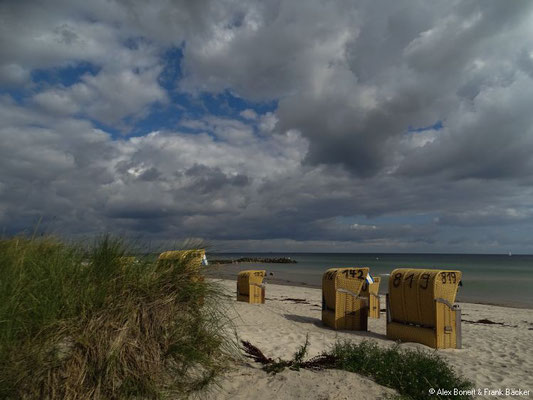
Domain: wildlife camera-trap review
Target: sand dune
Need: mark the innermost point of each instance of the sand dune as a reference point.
(493, 356)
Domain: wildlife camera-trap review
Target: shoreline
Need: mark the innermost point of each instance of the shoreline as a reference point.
(231, 270)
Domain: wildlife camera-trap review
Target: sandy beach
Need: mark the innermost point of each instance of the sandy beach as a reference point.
(494, 356)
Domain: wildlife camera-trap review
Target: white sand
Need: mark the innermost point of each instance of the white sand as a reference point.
(493, 356)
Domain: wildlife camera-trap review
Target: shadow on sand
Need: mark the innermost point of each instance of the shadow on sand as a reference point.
(305, 320)
(318, 322)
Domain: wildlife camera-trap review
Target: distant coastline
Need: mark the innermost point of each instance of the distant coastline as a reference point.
(264, 260)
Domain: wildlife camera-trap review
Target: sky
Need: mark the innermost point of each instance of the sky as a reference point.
(327, 126)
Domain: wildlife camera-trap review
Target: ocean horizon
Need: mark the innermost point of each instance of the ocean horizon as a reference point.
(498, 279)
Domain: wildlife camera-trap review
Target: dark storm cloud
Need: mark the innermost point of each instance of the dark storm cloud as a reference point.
(137, 211)
(206, 180)
(490, 216)
(492, 139)
(354, 90)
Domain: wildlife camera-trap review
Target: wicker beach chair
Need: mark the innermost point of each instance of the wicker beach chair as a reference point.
(420, 307)
(250, 287)
(193, 259)
(195, 256)
(342, 305)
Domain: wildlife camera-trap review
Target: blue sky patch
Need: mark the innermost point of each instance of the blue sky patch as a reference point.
(437, 126)
(66, 76)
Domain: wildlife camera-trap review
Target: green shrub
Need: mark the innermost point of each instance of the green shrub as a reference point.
(411, 372)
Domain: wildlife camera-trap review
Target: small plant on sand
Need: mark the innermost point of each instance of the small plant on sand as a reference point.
(94, 324)
(295, 363)
(412, 373)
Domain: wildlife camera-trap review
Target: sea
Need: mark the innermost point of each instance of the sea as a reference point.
(488, 279)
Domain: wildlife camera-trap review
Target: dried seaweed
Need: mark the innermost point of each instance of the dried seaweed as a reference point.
(486, 321)
(255, 354)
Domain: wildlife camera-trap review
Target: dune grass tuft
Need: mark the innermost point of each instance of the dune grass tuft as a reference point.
(93, 323)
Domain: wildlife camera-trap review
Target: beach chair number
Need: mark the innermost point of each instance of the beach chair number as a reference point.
(410, 279)
(397, 279)
(353, 273)
(448, 277)
(425, 278)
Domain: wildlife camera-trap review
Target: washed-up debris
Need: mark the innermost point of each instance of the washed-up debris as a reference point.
(487, 322)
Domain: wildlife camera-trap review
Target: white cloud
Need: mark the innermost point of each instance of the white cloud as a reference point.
(107, 97)
(14, 75)
(268, 122)
(57, 102)
(248, 114)
(359, 227)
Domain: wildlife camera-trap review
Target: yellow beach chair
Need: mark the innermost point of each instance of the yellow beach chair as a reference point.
(193, 258)
(371, 292)
(250, 288)
(342, 305)
(420, 307)
(127, 261)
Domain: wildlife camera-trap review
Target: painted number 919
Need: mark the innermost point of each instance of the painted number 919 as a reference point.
(448, 277)
(424, 280)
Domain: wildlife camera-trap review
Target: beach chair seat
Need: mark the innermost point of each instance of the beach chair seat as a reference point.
(371, 292)
(250, 287)
(421, 309)
(342, 305)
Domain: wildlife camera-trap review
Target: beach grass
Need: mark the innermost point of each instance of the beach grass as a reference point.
(88, 322)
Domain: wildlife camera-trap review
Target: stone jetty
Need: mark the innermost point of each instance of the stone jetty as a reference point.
(278, 260)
